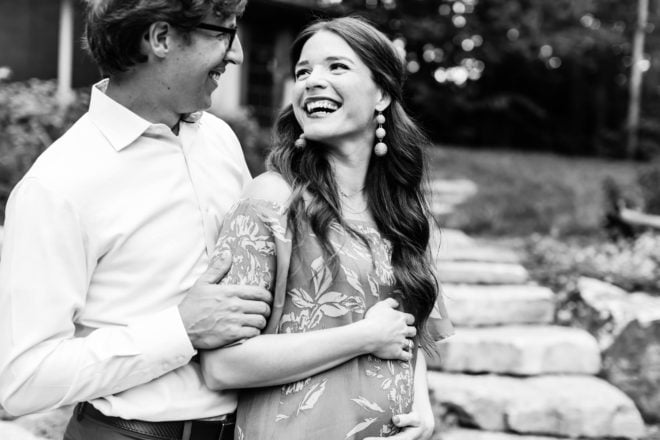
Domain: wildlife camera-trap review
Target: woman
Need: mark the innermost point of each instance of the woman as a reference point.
(339, 225)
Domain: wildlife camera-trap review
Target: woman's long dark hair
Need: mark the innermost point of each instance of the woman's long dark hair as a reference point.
(393, 184)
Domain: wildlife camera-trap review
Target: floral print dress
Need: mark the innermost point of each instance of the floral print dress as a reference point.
(354, 400)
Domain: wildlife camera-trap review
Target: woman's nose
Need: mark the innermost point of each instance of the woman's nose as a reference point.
(316, 79)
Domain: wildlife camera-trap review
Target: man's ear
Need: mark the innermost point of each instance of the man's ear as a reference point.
(384, 100)
(157, 39)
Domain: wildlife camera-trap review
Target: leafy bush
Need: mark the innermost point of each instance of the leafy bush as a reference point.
(255, 140)
(649, 184)
(633, 265)
(30, 119)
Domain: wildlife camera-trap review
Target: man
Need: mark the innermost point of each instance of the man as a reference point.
(104, 293)
(108, 233)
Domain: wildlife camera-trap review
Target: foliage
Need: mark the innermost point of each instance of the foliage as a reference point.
(254, 139)
(649, 184)
(30, 119)
(524, 193)
(633, 265)
(552, 72)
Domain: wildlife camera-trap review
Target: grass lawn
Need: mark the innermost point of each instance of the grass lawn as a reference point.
(522, 193)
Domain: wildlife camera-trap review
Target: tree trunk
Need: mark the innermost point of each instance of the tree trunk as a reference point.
(632, 126)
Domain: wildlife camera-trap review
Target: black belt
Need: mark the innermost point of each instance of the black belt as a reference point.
(188, 430)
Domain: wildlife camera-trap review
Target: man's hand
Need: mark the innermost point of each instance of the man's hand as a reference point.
(215, 316)
(413, 427)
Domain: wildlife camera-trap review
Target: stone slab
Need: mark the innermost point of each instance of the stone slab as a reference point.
(481, 305)
(473, 434)
(47, 424)
(453, 186)
(632, 363)
(12, 431)
(519, 350)
(562, 406)
(486, 254)
(470, 272)
(455, 238)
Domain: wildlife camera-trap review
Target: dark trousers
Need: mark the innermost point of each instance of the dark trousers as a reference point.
(87, 429)
(83, 427)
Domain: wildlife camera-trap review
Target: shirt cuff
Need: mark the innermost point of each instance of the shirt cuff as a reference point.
(163, 340)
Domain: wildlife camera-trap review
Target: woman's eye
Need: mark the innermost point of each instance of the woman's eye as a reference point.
(301, 73)
(338, 66)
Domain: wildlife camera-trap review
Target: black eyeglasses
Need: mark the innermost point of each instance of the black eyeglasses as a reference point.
(230, 32)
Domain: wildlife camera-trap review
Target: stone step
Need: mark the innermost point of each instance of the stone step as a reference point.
(473, 434)
(519, 350)
(11, 431)
(485, 254)
(472, 272)
(453, 186)
(455, 238)
(439, 208)
(561, 406)
(479, 305)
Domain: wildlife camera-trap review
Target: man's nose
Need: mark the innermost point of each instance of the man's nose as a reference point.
(235, 53)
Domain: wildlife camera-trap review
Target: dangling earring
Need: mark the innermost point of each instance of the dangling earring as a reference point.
(380, 149)
(301, 142)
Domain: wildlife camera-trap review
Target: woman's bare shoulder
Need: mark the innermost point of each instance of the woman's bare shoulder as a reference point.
(269, 186)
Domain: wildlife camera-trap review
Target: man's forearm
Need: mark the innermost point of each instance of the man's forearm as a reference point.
(62, 371)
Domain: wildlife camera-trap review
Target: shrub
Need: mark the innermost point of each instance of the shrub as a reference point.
(255, 140)
(30, 119)
(633, 265)
(649, 184)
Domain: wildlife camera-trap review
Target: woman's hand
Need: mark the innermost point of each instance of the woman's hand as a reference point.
(389, 332)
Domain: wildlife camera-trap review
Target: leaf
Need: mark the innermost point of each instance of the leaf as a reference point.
(331, 297)
(334, 310)
(301, 299)
(353, 280)
(321, 276)
(361, 427)
(366, 404)
(374, 286)
(386, 384)
(312, 396)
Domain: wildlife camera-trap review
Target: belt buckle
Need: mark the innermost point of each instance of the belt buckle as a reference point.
(202, 428)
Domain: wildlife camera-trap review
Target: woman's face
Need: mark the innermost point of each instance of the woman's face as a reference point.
(334, 95)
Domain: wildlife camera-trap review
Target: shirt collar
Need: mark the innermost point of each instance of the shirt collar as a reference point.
(120, 126)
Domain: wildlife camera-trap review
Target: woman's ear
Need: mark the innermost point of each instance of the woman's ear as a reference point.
(157, 40)
(384, 100)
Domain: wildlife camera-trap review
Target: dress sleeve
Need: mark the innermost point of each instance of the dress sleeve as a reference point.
(438, 325)
(255, 232)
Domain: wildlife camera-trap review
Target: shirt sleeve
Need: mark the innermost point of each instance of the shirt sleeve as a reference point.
(45, 271)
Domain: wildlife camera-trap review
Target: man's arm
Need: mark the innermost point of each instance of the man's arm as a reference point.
(45, 271)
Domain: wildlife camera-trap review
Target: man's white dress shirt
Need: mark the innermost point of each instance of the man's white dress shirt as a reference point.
(103, 237)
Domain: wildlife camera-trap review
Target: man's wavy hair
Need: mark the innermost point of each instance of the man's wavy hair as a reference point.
(114, 28)
(393, 184)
